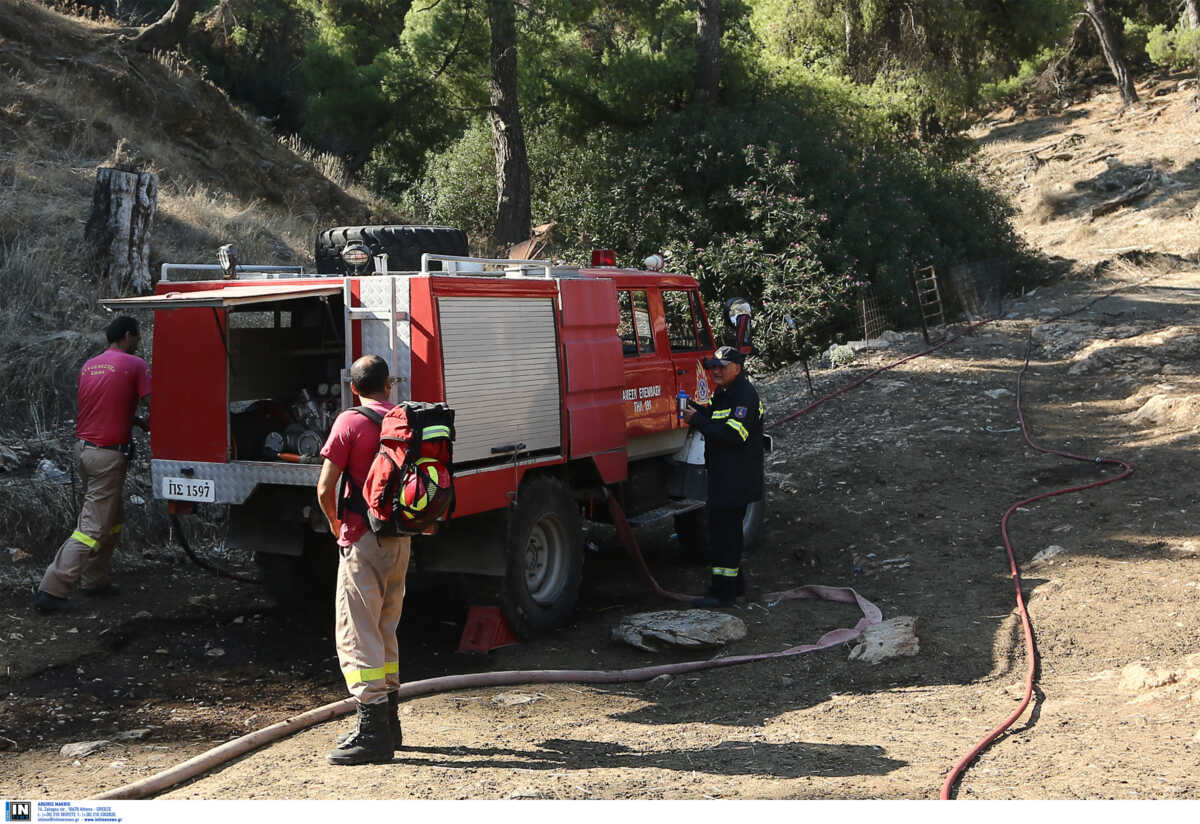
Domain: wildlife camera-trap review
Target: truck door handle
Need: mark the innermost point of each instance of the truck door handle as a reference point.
(680, 371)
(511, 447)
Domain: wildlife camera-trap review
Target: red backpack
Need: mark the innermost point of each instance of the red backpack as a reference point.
(409, 485)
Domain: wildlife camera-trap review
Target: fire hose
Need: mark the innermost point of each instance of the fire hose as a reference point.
(413, 689)
(1030, 651)
(221, 572)
(871, 615)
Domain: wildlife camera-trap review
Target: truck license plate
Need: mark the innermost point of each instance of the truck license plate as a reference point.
(189, 489)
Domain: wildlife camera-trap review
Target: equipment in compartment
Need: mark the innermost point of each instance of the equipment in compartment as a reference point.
(295, 431)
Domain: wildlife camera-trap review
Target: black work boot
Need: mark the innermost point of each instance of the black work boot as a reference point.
(44, 602)
(721, 593)
(371, 743)
(393, 723)
(104, 590)
(394, 720)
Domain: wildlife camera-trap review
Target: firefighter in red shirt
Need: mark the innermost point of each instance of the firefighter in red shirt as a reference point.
(110, 387)
(371, 570)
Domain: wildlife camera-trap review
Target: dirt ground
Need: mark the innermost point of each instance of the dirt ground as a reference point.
(896, 488)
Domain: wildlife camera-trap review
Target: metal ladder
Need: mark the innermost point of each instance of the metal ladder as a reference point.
(929, 299)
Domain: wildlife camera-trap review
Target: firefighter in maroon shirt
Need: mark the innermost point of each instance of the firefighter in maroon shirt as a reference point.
(110, 387)
(371, 572)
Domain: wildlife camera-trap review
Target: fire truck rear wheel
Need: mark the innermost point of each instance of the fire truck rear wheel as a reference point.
(692, 530)
(544, 558)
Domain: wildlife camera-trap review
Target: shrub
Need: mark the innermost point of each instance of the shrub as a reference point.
(841, 355)
(1028, 71)
(1177, 48)
(778, 259)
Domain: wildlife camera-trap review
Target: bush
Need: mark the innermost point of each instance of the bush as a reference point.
(778, 259)
(1177, 48)
(991, 93)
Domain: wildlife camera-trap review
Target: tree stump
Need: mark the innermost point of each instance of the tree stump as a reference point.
(118, 229)
(168, 31)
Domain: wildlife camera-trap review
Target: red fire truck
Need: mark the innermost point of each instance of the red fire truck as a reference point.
(564, 379)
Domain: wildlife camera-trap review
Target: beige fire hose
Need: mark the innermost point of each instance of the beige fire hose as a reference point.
(239, 746)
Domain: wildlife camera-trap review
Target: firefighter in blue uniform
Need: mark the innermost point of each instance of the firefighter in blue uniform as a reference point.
(733, 455)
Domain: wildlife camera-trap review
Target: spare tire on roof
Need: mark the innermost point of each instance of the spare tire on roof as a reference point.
(402, 244)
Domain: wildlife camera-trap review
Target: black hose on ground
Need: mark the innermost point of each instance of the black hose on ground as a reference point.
(181, 537)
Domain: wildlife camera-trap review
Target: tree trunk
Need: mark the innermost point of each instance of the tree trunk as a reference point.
(117, 234)
(708, 51)
(508, 137)
(1112, 50)
(848, 25)
(1192, 13)
(168, 31)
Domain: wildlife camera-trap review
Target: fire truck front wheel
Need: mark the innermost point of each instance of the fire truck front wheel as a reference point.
(544, 565)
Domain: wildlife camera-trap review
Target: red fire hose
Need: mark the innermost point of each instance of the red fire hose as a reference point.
(1030, 651)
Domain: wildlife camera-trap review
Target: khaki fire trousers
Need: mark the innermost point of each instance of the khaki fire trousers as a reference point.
(87, 554)
(370, 596)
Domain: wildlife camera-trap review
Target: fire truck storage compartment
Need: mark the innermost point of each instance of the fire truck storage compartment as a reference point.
(500, 361)
(285, 361)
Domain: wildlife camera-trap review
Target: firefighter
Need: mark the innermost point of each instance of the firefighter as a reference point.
(371, 570)
(733, 455)
(110, 388)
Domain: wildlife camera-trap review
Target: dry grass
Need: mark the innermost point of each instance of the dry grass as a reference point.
(36, 517)
(80, 12)
(331, 167)
(194, 221)
(1051, 203)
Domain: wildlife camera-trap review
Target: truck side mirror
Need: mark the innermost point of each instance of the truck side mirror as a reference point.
(737, 315)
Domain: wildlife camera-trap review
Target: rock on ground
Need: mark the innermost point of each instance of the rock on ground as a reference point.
(81, 749)
(683, 628)
(1048, 553)
(1137, 677)
(892, 638)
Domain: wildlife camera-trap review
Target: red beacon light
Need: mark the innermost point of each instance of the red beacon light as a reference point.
(604, 257)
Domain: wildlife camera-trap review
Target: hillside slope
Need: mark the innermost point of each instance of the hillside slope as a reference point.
(1059, 166)
(73, 98)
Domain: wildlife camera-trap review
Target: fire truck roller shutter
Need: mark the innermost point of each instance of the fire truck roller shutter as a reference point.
(402, 244)
(500, 359)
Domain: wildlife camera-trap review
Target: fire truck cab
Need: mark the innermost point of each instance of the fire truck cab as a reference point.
(565, 382)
